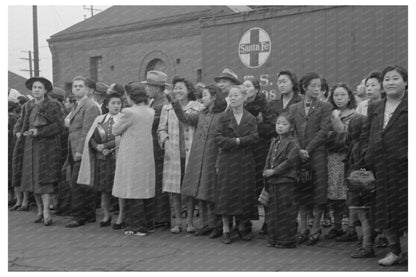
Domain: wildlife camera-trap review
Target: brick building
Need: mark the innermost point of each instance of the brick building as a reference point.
(122, 43)
(341, 43)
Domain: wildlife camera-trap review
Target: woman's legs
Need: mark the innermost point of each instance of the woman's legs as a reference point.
(105, 204)
(203, 208)
(39, 204)
(190, 205)
(226, 224)
(46, 200)
(317, 213)
(25, 201)
(19, 196)
(303, 222)
(177, 208)
(121, 212)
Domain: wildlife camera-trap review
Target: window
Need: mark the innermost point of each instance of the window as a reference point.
(96, 69)
(199, 75)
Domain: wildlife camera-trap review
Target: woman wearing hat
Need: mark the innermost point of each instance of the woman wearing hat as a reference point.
(134, 179)
(98, 161)
(37, 155)
(176, 138)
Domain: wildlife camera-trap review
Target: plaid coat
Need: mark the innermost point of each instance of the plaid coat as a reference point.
(169, 130)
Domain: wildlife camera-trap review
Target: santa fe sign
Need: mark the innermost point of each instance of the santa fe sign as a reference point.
(254, 47)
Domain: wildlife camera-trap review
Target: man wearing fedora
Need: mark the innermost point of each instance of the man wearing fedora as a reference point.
(80, 120)
(156, 82)
(226, 80)
(100, 93)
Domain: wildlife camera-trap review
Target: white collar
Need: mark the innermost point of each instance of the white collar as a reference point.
(115, 117)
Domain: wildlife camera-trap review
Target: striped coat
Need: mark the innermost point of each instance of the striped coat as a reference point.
(169, 130)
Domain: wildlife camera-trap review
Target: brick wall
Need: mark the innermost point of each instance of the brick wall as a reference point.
(126, 55)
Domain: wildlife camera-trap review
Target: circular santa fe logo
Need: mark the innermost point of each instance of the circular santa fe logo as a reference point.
(254, 47)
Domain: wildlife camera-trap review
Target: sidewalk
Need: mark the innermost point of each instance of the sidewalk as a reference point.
(34, 247)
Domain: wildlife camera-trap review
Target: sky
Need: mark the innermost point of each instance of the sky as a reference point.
(51, 20)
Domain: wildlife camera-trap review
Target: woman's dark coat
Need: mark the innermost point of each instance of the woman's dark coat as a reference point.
(50, 127)
(235, 193)
(311, 130)
(385, 153)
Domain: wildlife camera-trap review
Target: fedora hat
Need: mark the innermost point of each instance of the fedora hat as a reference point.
(57, 93)
(228, 74)
(156, 78)
(100, 89)
(44, 81)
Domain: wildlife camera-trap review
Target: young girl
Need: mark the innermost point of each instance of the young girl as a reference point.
(280, 171)
(100, 147)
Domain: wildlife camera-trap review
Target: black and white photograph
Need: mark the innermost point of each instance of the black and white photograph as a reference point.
(199, 137)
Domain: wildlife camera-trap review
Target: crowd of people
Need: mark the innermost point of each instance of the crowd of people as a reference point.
(154, 153)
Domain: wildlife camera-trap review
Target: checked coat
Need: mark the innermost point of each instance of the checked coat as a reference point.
(168, 135)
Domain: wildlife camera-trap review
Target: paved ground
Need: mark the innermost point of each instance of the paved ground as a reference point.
(34, 247)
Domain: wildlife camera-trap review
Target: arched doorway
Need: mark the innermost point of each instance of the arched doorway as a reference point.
(156, 60)
(156, 64)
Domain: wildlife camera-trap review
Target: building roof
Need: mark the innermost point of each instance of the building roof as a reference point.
(17, 82)
(118, 16)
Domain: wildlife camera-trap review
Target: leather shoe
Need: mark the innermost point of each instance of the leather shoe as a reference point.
(48, 222)
(226, 238)
(39, 219)
(23, 209)
(116, 226)
(105, 223)
(74, 224)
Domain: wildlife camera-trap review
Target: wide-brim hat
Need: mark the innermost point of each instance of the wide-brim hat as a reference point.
(228, 74)
(43, 80)
(156, 78)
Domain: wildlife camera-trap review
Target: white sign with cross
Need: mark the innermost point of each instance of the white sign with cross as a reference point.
(254, 47)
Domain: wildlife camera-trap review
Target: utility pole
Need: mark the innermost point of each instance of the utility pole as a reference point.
(30, 63)
(91, 9)
(35, 40)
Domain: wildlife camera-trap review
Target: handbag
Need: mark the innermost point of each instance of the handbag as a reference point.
(361, 180)
(305, 175)
(264, 195)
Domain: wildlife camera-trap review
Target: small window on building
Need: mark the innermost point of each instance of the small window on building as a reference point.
(199, 75)
(96, 69)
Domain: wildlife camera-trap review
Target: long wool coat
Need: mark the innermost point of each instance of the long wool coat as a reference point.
(51, 125)
(135, 166)
(200, 174)
(235, 192)
(386, 154)
(169, 130)
(311, 130)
